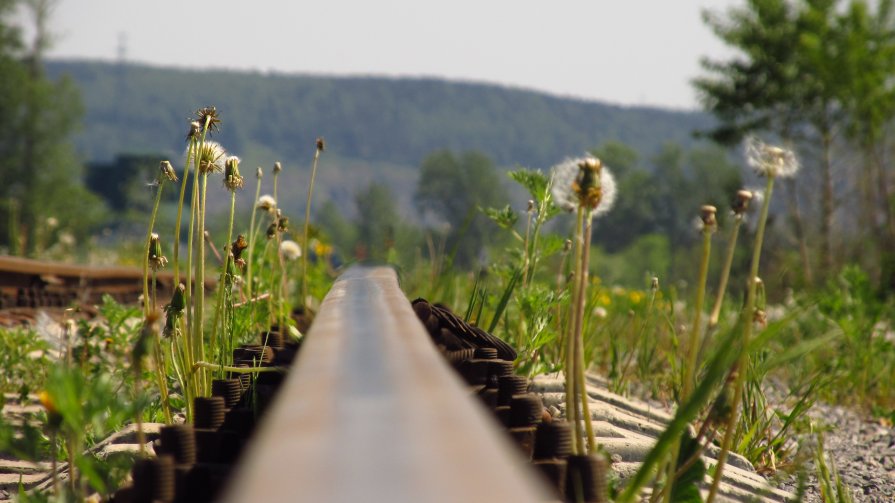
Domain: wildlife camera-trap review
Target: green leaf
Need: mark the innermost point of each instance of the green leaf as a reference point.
(505, 218)
(686, 486)
(534, 182)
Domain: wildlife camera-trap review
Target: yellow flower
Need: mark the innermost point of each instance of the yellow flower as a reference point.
(604, 299)
(635, 296)
(47, 401)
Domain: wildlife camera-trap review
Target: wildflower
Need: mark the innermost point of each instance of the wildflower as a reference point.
(211, 157)
(52, 222)
(156, 259)
(654, 283)
(54, 418)
(208, 118)
(770, 160)
(167, 171)
(290, 249)
(267, 203)
(277, 167)
(531, 206)
(232, 179)
(574, 184)
(601, 312)
(272, 230)
(321, 144)
(259, 173)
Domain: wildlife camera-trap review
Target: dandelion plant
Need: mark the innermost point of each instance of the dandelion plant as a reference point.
(587, 187)
(320, 147)
(771, 162)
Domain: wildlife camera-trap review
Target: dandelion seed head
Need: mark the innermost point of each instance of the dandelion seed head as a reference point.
(209, 119)
(571, 188)
(211, 157)
(267, 203)
(770, 160)
(290, 250)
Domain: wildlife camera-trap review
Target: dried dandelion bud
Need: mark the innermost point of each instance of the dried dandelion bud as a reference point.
(195, 131)
(567, 246)
(209, 119)
(167, 171)
(707, 214)
(531, 206)
(174, 311)
(239, 246)
(277, 167)
(654, 284)
(282, 223)
(272, 231)
(741, 203)
(232, 179)
(259, 173)
(321, 144)
(587, 184)
(156, 259)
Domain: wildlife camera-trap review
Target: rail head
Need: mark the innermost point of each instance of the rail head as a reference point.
(372, 412)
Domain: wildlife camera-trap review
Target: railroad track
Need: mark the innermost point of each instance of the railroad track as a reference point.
(372, 411)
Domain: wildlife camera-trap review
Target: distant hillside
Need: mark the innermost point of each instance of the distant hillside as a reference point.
(376, 127)
(135, 107)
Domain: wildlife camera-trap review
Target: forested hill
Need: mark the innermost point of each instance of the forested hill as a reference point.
(137, 108)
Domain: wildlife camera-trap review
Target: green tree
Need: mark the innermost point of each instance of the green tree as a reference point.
(378, 223)
(453, 188)
(37, 116)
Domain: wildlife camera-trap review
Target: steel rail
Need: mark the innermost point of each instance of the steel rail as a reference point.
(27, 283)
(371, 412)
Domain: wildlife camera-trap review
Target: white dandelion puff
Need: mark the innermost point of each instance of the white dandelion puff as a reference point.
(290, 250)
(564, 186)
(267, 203)
(770, 160)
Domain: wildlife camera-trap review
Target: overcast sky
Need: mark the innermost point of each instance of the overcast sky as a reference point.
(622, 51)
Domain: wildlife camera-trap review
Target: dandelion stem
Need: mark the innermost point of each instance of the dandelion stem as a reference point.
(146, 301)
(304, 242)
(690, 366)
(725, 271)
(579, 336)
(186, 174)
(571, 343)
(252, 233)
(746, 322)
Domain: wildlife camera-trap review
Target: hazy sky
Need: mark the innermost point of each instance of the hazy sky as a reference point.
(622, 51)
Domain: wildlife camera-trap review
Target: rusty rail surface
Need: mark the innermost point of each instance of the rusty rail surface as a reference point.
(27, 283)
(371, 412)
